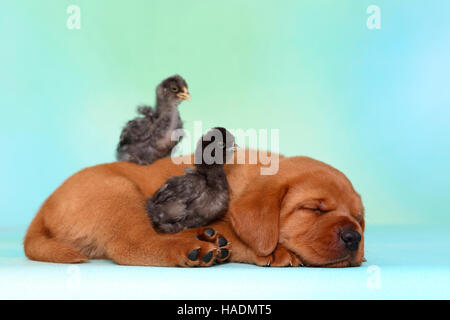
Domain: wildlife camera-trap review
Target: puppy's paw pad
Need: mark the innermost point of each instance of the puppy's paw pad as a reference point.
(193, 255)
(224, 253)
(208, 256)
(209, 232)
(222, 241)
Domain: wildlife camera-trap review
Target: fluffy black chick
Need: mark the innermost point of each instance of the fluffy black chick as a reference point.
(146, 139)
(201, 195)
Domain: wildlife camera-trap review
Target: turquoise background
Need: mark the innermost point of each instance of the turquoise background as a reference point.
(372, 103)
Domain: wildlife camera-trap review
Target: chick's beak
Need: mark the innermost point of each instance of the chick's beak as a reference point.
(184, 94)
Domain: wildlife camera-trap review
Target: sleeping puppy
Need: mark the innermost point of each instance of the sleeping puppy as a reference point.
(307, 214)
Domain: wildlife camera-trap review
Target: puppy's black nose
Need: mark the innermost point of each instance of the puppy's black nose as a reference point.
(351, 239)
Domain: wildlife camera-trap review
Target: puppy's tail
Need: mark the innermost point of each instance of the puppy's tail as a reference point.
(39, 245)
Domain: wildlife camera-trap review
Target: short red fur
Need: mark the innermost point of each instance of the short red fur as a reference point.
(99, 213)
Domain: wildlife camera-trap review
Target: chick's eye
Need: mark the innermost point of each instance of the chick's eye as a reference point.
(174, 88)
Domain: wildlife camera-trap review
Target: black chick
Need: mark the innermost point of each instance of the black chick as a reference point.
(146, 139)
(201, 195)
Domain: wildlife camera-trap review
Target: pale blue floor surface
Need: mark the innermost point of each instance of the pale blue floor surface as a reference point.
(403, 263)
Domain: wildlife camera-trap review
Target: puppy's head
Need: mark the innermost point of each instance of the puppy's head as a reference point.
(309, 208)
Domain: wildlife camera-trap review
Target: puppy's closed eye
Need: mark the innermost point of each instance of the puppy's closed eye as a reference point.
(315, 206)
(315, 210)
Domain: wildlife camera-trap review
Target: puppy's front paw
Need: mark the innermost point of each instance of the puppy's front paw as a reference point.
(281, 257)
(209, 247)
(223, 245)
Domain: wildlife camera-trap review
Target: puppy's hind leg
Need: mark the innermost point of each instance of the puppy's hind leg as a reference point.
(41, 247)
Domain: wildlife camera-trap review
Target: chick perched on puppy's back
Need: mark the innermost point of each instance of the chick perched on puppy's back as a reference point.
(201, 195)
(146, 139)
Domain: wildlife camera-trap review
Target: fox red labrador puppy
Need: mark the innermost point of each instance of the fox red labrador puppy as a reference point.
(306, 214)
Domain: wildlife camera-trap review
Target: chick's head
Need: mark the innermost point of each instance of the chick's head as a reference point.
(215, 147)
(173, 90)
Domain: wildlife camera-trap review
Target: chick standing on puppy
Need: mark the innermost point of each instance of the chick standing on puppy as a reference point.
(147, 139)
(201, 195)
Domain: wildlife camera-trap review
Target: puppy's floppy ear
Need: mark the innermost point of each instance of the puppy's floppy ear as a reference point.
(255, 214)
